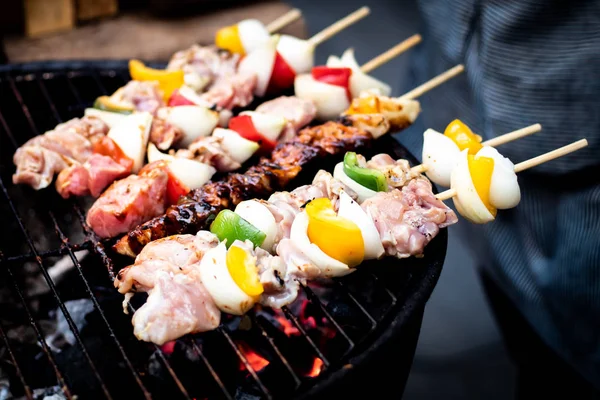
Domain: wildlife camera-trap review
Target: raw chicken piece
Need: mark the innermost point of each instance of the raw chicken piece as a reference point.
(397, 172)
(408, 219)
(177, 305)
(204, 65)
(91, 177)
(231, 91)
(208, 150)
(45, 155)
(129, 202)
(163, 134)
(298, 113)
(174, 254)
(141, 95)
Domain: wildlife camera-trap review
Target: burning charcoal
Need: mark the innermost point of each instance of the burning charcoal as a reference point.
(78, 309)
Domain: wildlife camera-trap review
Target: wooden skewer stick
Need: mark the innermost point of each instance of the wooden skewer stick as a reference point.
(391, 53)
(497, 141)
(532, 162)
(338, 26)
(284, 20)
(433, 83)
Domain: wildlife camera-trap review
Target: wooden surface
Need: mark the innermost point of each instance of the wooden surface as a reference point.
(45, 16)
(91, 9)
(140, 35)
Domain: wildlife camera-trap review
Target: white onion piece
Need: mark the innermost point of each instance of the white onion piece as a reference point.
(440, 154)
(191, 173)
(467, 200)
(193, 121)
(108, 117)
(253, 34)
(504, 189)
(359, 81)
(363, 193)
(297, 53)
(334, 62)
(238, 148)
(351, 210)
(260, 62)
(131, 135)
(328, 266)
(268, 125)
(259, 215)
(215, 276)
(330, 100)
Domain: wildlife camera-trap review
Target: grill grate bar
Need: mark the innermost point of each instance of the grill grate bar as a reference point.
(48, 253)
(289, 315)
(386, 289)
(357, 304)
(211, 369)
(88, 289)
(99, 249)
(47, 97)
(283, 359)
(54, 291)
(28, 393)
(314, 299)
(35, 326)
(8, 132)
(244, 360)
(167, 365)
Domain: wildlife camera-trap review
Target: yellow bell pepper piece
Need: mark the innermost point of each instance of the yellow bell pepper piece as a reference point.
(243, 271)
(365, 105)
(228, 38)
(168, 81)
(337, 237)
(462, 135)
(481, 169)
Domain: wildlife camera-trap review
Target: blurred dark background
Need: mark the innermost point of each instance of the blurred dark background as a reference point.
(460, 353)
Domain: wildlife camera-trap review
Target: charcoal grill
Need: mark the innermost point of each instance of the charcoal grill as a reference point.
(354, 336)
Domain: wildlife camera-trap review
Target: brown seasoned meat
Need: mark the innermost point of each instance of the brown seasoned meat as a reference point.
(197, 210)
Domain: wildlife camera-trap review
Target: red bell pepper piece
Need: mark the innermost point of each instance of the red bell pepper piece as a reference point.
(334, 76)
(177, 99)
(282, 76)
(243, 125)
(175, 188)
(107, 147)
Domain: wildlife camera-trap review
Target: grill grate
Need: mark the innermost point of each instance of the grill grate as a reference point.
(33, 102)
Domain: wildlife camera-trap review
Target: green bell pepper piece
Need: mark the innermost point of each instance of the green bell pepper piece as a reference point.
(229, 225)
(105, 104)
(369, 178)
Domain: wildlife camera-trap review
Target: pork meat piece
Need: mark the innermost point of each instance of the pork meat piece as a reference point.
(408, 219)
(177, 305)
(43, 156)
(141, 95)
(89, 178)
(298, 113)
(129, 202)
(174, 254)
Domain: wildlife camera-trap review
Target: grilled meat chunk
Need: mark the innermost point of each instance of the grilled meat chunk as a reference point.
(194, 211)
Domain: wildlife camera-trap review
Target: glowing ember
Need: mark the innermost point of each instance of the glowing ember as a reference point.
(256, 361)
(288, 328)
(316, 368)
